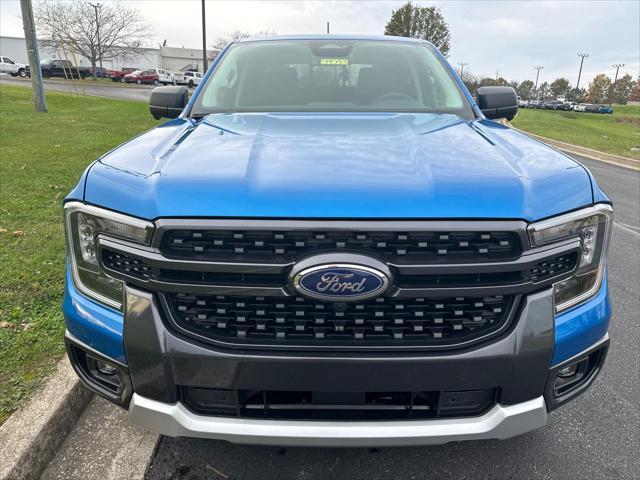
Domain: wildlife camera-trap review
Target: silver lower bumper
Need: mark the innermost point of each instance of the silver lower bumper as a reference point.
(498, 423)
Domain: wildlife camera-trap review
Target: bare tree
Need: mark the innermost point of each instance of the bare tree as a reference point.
(108, 31)
(236, 35)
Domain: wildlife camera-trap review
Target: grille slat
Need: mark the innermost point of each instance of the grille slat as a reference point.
(297, 320)
(394, 246)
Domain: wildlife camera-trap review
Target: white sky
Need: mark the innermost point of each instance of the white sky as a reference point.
(512, 36)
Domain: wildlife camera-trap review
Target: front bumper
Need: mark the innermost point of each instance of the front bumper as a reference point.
(499, 423)
(157, 362)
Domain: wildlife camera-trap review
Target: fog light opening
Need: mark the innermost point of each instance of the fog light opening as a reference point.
(107, 375)
(568, 371)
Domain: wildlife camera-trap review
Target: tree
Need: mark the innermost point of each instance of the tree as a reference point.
(426, 23)
(525, 90)
(599, 88)
(559, 87)
(236, 35)
(577, 95)
(634, 96)
(543, 91)
(622, 89)
(76, 25)
(471, 81)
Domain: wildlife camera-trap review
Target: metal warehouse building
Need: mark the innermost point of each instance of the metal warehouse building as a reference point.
(174, 59)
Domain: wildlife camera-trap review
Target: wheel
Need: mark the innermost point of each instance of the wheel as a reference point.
(22, 73)
(139, 82)
(190, 83)
(155, 82)
(122, 80)
(46, 74)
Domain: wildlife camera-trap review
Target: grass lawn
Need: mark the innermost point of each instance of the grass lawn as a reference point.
(617, 133)
(41, 159)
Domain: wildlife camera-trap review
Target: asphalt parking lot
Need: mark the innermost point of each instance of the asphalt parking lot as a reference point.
(597, 436)
(99, 88)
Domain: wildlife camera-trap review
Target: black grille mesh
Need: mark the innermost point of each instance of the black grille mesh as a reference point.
(278, 246)
(298, 320)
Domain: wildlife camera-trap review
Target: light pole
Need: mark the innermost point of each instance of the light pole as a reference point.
(617, 67)
(462, 65)
(582, 57)
(535, 89)
(204, 41)
(96, 6)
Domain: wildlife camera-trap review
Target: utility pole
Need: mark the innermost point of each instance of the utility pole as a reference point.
(582, 57)
(462, 65)
(34, 55)
(204, 40)
(96, 6)
(535, 89)
(327, 28)
(617, 67)
(497, 73)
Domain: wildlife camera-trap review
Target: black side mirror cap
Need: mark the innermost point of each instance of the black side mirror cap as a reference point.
(168, 102)
(498, 102)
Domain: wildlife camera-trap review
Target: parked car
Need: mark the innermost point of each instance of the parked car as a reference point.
(101, 72)
(557, 105)
(118, 75)
(300, 260)
(535, 104)
(164, 77)
(605, 109)
(187, 78)
(62, 69)
(522, 103)
(7, 65)
(580, 107)
(591, 108)
(134, 77)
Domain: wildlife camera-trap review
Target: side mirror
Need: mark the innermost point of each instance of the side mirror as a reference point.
(498, 102)
(167, 102)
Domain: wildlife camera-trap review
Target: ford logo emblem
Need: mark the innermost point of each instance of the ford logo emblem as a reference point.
(341, 282)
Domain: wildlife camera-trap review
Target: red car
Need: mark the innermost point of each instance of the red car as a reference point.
(143, 76)
(118, 75)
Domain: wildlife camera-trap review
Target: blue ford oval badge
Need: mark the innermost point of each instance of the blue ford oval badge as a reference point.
(341, 282)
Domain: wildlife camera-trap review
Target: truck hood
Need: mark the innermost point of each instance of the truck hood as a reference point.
(315, 165)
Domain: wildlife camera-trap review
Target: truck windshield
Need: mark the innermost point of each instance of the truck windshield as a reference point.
(331, 76)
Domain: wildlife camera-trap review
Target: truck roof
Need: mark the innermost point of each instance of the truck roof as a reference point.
(387, 38)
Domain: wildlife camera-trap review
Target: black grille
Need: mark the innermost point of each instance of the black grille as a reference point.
(279, 246)
(301, 321)
(126, 264)
(299, 405)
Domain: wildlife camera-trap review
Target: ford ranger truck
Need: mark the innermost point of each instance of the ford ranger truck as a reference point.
(331, 243)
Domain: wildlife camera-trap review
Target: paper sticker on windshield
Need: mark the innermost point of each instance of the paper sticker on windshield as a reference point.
(334, 61)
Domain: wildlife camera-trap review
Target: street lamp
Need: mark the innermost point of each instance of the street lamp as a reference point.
(535, 89)
(96, 6)
(582, 57)
(617, 67)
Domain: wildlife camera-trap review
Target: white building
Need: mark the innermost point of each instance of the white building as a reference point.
(170, 58)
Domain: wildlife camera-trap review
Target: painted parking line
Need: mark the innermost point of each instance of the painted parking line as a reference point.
(627, 228)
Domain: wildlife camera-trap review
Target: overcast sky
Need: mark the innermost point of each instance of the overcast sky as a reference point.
(511, 36)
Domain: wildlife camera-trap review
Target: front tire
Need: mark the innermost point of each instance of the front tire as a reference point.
(139, 82)
(22, 73)
(155, 83)
(190, 83)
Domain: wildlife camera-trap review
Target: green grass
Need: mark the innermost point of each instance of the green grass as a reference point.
(618, 133)
(41, 159)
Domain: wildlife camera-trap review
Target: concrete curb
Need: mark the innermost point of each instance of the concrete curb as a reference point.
(31, 436)
(618, 160)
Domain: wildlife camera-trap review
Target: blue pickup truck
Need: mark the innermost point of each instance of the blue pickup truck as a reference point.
(331, 243)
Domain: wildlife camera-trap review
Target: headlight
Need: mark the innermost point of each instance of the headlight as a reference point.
(593, 227)
(83, 224)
